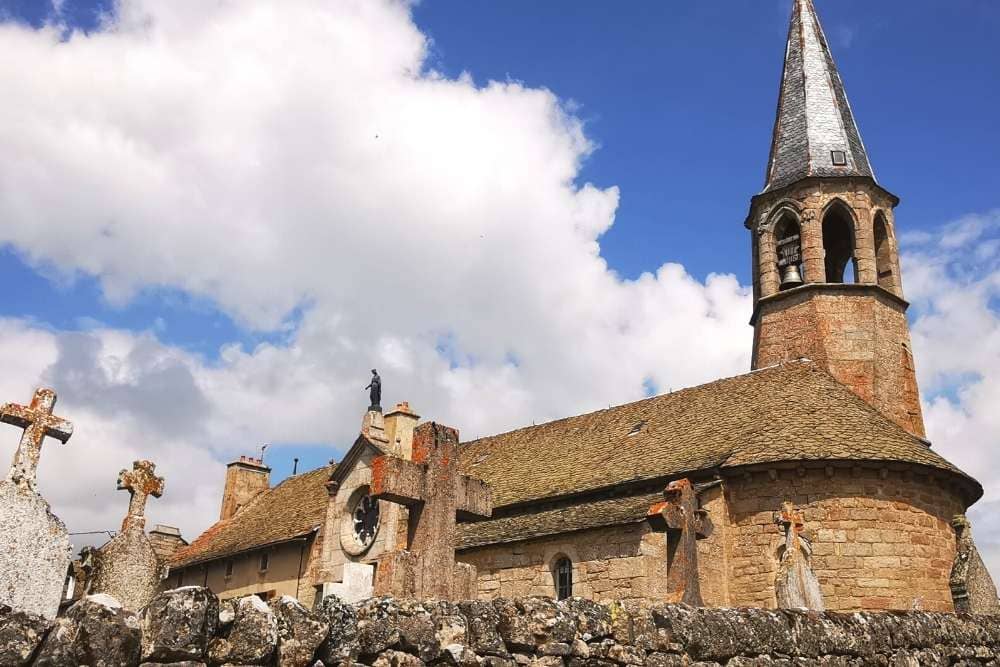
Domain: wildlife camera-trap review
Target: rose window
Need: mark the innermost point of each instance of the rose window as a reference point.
(366, 517)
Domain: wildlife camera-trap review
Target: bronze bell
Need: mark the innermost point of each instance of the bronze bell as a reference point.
(791, 277)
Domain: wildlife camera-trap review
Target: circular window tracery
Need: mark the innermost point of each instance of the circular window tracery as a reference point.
(365, 520)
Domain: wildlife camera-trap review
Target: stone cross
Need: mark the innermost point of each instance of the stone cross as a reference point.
(796, 586)
(680, 516)
(435, 492)
(38, 422)
(140, 482)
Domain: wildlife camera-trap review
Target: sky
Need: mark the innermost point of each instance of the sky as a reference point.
(217, 217)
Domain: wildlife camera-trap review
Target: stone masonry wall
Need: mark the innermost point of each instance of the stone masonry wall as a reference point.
(858, 334)
(881, 539)
(190, 627)
(615, 563)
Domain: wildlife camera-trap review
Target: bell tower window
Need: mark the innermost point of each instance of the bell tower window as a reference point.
(788, 248)
(883, 253)
(838, 244)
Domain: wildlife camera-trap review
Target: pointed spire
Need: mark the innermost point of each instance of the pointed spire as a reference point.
(815, 133)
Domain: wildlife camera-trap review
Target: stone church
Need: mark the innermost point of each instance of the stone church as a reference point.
(827, 427)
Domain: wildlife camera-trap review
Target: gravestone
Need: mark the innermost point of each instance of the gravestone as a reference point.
(796, 586)
(683, 520)
(435, 492)
(35, 551)
(972, 587)
(127, 568)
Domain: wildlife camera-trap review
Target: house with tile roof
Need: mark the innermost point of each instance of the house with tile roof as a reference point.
(828, 420)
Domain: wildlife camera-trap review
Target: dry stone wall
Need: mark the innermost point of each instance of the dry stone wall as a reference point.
(189, 626)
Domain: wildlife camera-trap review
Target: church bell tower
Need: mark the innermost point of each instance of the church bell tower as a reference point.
(825, 264)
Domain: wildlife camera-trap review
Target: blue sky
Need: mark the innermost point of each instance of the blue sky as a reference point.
(204, 235)
(679, 97)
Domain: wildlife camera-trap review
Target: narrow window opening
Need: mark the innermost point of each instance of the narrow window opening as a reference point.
(788, 246)
(265, 561)
(838, 243)
(883, 253)
(563, 574)
(229, 568)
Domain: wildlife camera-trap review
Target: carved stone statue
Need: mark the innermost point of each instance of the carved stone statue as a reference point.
(796, 586)
(375, 392)
(972, 588)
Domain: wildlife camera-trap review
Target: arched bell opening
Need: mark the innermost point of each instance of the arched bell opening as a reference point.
(838, 246)
(883, 253)
(788, 251)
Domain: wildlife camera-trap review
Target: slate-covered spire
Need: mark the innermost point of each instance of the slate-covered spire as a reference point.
(814, 133)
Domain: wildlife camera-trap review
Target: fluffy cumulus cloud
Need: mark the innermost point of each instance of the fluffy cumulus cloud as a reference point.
(953, 279)
(301, 166)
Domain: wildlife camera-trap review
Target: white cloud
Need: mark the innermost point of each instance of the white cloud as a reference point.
(953, 279)
(269, 156)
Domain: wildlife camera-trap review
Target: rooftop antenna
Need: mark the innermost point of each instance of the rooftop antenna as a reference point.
(295, 465)
(262, 452)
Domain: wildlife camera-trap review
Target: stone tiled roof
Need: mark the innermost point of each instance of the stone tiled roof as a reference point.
(814, 117)
(792, 412)
(595, 514)
(294, 508)
(789, 413)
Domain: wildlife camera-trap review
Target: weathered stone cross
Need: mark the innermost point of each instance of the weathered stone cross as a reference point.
(140, 482)
(680, 516)
(38, 422)
(436, 492)
(796, 586)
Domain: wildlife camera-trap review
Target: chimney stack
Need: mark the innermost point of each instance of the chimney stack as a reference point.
(166, 540)
(399, 425)
(245, 478)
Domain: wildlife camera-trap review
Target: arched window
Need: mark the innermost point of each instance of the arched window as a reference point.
(838, 243)
(562, 574)
(883, 253)
(788, 249)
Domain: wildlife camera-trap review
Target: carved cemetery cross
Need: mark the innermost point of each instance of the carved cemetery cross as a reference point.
(685, 523)
(436, 492)
(38, 422)
(141, 482)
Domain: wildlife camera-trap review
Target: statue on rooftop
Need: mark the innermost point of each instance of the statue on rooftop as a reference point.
(375, 393)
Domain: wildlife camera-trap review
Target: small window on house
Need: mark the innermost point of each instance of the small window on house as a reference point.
(839, 158)
(180, 579)
(838, 244)
(265, 560)
(563, 575)
(229, 568)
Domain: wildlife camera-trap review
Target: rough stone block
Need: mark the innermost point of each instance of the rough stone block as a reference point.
(178, 624)
(97, 630)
